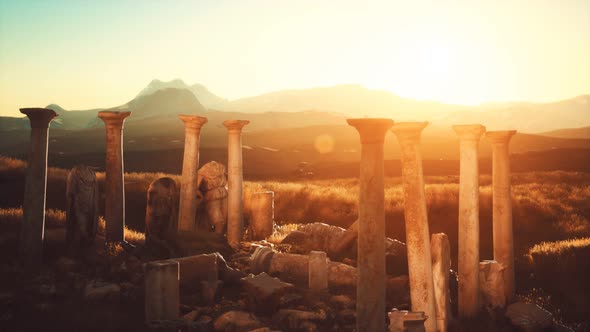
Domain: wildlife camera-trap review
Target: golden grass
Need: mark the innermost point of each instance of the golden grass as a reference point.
(559, 247)
(56, 218)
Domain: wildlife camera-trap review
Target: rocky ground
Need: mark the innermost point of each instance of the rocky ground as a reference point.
(103, 290)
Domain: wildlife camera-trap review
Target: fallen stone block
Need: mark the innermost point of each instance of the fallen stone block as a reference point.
(265, 292)
(529, 317)
(238, 321)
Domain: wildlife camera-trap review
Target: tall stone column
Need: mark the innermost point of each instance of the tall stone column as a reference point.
(235, 215)
(33, 225)
(416, 216)
(114, 205)
(162, 290)
(370, 305)
(187, 210)
(468, 259)
(502, 207)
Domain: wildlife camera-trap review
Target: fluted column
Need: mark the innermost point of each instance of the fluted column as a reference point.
(33, 224)
(370, 290)
(502, 207)
(416, 217)
(235, 216)
(187, 210)
(114, 205)
(468, 259)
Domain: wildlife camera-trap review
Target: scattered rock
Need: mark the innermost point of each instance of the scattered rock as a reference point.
(191, 316)
(238, 321)
(66, 265)
(298, 319)
(342, 301)
(265, 291)
(529, 317)
(95, 291)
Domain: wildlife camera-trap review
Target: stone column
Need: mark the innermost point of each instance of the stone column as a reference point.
(262, 215)
(162, 296)
(114, 187)
(502, 207)
(33, 224)
(468, 258)
(416, 217)
(235, 215)
(187, 210)
(370, 305)
(318, 271)
(441, 267)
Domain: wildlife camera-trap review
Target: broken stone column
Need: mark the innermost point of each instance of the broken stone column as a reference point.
(370, 305)
(161, 291)
(235, 215)
(212, 182)
(161, 213)
(81, 208)
(491, 284)
(416, 217)
(295, 269)
(318, 271)
(468, 258)
(33, 224)
(187, 210)
(114, 187)
(502, 207)
(406, 321)
(441, 267)
(262, 215)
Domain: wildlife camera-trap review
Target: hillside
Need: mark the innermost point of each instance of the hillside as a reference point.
(583, 132)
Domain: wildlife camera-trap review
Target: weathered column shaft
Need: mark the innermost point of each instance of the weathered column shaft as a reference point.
(441, 267)
(502, 207)
(370, 305)
(114, 206)
(416, 219)
(33, 224)
(187, 210)
(468, 258)
(162, 298)
(318, 271)
(262, 215)
(235, 214)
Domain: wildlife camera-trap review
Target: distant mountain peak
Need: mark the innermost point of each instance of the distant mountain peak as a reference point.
(205, 97)
(55, 107)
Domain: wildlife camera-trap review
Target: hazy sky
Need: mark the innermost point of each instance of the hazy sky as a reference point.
(86, 54)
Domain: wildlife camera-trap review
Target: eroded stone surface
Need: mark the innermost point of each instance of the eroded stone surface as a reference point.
(265, 291)
(529, 317)
(238, 321)
(81, 208)
(212, 183)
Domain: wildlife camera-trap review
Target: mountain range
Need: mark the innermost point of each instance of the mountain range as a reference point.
(328, 106)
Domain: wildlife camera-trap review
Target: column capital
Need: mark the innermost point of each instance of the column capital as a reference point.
(371, 130)
(235, 125)
(39, 117)
(470, 132)
(408, 130)
(113, 118)
(500, 137)
(193, 121)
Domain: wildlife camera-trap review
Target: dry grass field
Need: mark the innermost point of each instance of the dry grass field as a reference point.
(551, 212)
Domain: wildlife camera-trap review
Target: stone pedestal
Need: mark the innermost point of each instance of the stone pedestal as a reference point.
(468, 259)
(416, 217)
(33, 224)
(318, 271)
(114, 206)
(491, 284)
(262, 215)
(187, 210)
(235, 214)
(370, 305)
(162, 298)
(407, 321)
(441, 269)
(502, 207)
(161, 214)
(81, 209)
